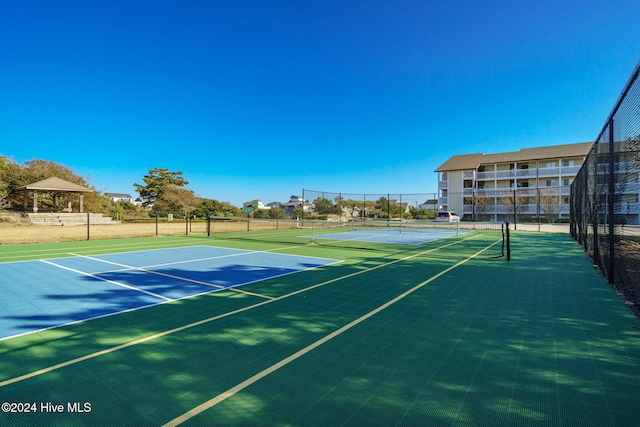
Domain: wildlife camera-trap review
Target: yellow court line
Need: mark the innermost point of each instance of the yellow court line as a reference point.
(210, 319)
(257, 377)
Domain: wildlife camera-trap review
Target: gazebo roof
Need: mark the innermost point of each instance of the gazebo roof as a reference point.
(56, 184)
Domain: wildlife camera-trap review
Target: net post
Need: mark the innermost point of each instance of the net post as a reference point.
(457, 228)
(313, 232)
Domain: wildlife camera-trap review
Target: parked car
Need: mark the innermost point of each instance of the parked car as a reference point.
(447, 217)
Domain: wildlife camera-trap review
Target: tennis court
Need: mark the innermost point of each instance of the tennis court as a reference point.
(52, 292)
(272, 328)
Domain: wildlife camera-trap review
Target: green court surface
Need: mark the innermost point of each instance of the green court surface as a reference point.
(403, 337)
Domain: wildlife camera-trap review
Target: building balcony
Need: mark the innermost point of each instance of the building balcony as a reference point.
(528, 173)
(530, 209)
(562, 190)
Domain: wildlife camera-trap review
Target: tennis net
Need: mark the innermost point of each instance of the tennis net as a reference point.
(445, 238)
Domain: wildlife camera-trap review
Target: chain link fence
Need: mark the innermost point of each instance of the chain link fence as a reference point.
(548, 204)
(347, 206)
(18, 228)
(605, 213)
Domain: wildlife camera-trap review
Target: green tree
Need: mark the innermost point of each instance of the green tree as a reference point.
(37, 169)
(175, 199)
(156, 182)
(325, 206)
(276, 213)
(352, 206)
(10, 179)
(216, 208)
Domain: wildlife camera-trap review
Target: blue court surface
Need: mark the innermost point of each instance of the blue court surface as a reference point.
(47, 293)
(393, 235)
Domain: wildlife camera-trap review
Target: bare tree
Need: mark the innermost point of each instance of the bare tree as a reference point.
(483, 202)
(550, 202)
(515, 202)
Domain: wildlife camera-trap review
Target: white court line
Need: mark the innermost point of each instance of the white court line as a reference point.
(213, 318)
(186, 279)
(113, 282)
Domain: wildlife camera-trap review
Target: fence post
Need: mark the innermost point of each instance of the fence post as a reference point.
(515, 210)
(611, 203)
(508, 238)
(88, 227)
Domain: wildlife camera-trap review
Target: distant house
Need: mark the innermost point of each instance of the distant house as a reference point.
(430, 204)
(278, 205)
(120, 197)
(253, 206)
(404, 205)
(294, 203)
(123, 197)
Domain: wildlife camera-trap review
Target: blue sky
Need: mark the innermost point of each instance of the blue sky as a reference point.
(259, 99)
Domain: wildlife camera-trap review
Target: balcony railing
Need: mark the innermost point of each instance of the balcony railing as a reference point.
(528, 173)
(561, 190)
(529, 209)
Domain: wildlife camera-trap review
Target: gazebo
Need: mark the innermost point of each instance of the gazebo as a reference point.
(53, 186)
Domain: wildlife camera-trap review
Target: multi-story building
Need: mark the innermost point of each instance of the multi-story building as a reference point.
(531, 182)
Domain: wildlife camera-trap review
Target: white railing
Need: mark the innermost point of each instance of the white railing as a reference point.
(528, 173)
(561, 190)
(530, 209)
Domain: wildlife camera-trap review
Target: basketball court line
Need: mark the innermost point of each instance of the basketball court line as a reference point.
(213, 318)
(257, 377)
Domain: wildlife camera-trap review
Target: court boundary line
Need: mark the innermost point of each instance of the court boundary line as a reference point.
(276, 366)
(171, 276)
(113, 282)
(220, 287)
(213, 318)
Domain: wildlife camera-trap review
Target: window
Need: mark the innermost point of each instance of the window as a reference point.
(552, 183)
(551, 164)
(568, 163)
(567, 181)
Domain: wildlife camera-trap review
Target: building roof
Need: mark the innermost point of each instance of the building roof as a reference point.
(56, 184)
(472, 161)
(119, 195)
